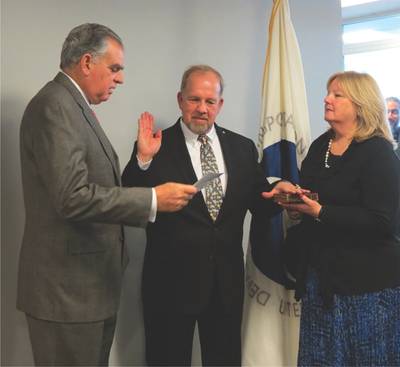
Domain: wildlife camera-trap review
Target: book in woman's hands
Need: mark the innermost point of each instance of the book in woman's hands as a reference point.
(294, 198)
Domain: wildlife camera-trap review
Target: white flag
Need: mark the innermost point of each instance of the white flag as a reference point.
(271, 314)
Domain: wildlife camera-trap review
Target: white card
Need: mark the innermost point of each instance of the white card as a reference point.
(203, 182)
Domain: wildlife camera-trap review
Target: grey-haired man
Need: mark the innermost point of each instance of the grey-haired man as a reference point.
(73, 255)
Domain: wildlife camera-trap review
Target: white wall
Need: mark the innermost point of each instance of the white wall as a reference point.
(162, 37)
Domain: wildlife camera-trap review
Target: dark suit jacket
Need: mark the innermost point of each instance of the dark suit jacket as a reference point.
(187, 254)
(356, 245)
(72, 254)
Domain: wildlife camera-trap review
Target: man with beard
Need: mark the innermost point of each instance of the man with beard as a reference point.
(193, 267)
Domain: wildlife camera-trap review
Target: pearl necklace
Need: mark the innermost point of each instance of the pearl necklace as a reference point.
(327, 154)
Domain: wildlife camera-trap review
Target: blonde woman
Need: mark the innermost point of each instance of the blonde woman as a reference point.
(348, 243)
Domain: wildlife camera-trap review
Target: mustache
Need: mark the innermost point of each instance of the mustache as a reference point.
(200, 116)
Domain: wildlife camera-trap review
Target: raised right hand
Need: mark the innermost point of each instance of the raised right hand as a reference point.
(173, 196)
(148, 142)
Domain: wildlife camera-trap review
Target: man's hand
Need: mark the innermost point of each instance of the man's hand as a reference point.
(148, 142)
(283, 187)
(286, 187)
(310, 207)
(172, 196)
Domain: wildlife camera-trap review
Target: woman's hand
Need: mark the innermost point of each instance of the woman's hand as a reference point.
(309, 207)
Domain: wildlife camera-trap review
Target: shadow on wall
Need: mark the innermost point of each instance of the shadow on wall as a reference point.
(128, 347)
(14, 336)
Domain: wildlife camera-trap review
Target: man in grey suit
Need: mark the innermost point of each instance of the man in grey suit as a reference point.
(73, 255)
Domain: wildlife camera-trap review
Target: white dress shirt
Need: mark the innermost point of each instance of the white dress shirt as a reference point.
(193, 146)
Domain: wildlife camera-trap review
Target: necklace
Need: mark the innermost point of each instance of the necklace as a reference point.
(327, 154)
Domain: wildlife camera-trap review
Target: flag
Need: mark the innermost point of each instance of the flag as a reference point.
(271, 315)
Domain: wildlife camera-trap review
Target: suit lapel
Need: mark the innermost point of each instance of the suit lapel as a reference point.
(184, 164)
(229, 163)
(93, 122)
(181, 155)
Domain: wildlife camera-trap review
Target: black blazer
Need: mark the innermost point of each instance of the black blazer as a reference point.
(356, 246)
(187, 254)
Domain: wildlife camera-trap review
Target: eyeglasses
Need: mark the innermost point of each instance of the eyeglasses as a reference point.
(395, 111)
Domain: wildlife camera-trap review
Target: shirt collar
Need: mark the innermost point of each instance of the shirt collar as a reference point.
(191, 137)
(77, 87)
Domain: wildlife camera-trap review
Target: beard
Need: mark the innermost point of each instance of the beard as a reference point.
(199, 129)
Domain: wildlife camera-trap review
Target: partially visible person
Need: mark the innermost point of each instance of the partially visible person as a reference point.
(346, 250)
(397, 150)
(393, 108)
(73, 254)
(193, 266)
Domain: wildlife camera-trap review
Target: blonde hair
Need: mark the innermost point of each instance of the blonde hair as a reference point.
(366, 96)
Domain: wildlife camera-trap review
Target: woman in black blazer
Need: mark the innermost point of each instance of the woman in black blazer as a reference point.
(347, 245)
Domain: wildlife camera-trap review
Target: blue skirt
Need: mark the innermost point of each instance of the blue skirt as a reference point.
(362, 330)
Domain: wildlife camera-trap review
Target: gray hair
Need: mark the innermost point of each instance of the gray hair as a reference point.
(201, 69)
(393, 99)
(86, 38)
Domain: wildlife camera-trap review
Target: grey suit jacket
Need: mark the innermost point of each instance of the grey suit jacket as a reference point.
(72, 256)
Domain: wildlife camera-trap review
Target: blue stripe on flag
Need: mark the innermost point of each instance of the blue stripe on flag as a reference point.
(266, 234)
(279, 160)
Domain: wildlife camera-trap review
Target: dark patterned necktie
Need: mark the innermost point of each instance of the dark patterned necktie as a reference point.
(214, 192)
